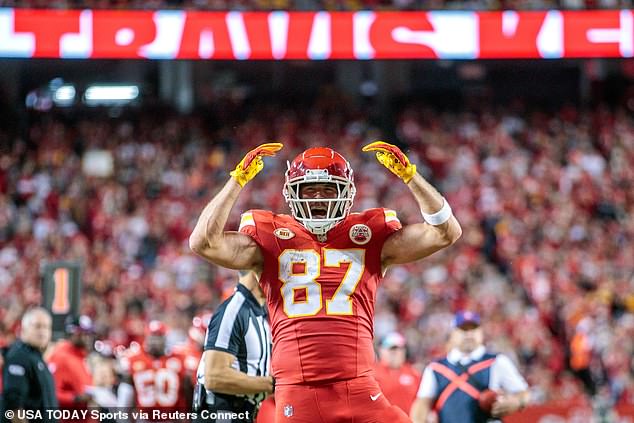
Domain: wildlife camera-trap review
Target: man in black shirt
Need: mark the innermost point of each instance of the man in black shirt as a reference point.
(28, 384)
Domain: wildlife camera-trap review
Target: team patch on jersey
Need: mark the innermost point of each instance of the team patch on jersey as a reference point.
(284, 233)
(16, 370)
(360, 234)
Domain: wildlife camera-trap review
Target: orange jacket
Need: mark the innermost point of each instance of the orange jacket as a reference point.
(580, 352)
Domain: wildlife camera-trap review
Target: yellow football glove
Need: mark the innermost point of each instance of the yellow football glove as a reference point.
(393, 158)
(252, 163)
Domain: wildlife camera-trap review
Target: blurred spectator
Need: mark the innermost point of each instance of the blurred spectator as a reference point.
(398, 380)
(581, 356)
(69, 365)
(104, 381)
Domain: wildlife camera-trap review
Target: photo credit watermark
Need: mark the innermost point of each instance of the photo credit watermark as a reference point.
(119, 415)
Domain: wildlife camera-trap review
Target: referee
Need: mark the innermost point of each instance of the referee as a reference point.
(235, 365)
(28, 384)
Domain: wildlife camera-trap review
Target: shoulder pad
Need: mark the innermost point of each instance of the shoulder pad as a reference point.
(390, 216)
(251, 217)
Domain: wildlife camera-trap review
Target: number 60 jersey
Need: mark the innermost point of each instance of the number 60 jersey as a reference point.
(321, 292)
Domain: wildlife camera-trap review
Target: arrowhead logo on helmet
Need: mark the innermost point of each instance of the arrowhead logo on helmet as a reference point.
(321, 165)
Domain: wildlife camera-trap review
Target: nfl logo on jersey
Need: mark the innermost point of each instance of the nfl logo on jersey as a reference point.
(288, 410)
(284, 233)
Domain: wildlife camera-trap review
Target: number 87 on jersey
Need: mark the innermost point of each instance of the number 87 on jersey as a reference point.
(335, 276)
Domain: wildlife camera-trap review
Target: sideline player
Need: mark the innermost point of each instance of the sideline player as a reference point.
(154, 379)
(319, 269)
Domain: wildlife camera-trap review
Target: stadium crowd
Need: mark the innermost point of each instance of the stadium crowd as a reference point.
(545, 201)
(323, 4)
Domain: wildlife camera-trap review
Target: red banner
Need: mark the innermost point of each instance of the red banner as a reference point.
(170, 34)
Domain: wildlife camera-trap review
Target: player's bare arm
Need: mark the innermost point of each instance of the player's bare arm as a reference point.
(509, 403)
(420, 240)
(222, 378)
(420, 410)
(416, 241)
(209, 239)
(225, 248)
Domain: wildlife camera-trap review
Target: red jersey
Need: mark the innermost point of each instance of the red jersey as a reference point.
(71, 373)
(157, 381)
(321, 292)
(191, 353)
(398, 385)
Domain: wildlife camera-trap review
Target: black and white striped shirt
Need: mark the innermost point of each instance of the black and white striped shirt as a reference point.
(240, 327)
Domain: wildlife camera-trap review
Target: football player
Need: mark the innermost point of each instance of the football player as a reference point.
(152, 378)
(320, 268)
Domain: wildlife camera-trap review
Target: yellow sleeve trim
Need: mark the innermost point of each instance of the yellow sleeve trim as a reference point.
(390, 216)
(246, 220)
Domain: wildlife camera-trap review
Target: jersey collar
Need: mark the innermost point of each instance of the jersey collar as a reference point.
(456, 356)
(29, 347)
(327, 236)
(260, 310)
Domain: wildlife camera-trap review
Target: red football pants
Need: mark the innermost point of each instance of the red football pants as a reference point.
(357, 400)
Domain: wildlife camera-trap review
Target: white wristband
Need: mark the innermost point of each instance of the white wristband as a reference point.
(440, 217)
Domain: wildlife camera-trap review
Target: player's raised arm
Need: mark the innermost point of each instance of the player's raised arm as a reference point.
(209, 239)
(416, 241)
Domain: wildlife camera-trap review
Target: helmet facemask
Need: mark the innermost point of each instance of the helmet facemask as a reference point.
(336, 209)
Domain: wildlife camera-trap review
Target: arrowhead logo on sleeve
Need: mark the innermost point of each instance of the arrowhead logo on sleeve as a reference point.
(360, 234)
